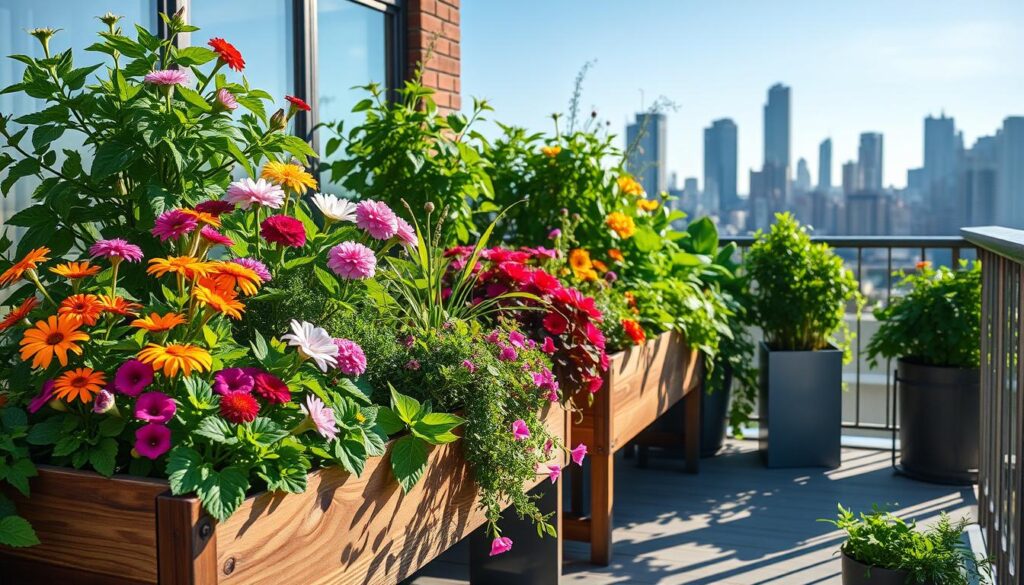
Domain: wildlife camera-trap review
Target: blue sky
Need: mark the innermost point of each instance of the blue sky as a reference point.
(854, 66)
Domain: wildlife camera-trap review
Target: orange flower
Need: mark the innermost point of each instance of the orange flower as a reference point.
(634, 330)
(621, 224)
(647, 204)
(289, 176)
(86, 308)
(601, 266)
(57, 335)
(156, 323)
(630, 186)
(18, 313)
(551, 151)
(923, 265)
(231, 275)
(616, 255)
(630, 299)
(176, 357)
(119, 306)
(209, 293)
(581, 264)
(186, 266)
(202, 217)
(81, 384)
(75, 270)
(29, 262)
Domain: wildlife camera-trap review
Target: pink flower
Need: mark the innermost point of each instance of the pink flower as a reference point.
(239, 407)
(520, 431)
(173, 224)
(469, 366)
(578, 454)
(352, 261)
(409, 341)
(555, 323)
(155, 407)
(44, 396)
(226, 100)
(500, 545)
(594, 384)
(215, 207)
(283, 230)
(517, 339)
(494, 336)
(611, 276)
(351, 359)
(246, 193)
(116, 249)
(166, 77)
(554, 234)
(133, 377)
(321, 417)
(554, 472)
(152, 440)
(548, 446)
(412, 365)
(230, 380)
(377, 219)
(508, 354)
(215, 238)
(256, 266)
(269, 387)
(103, 402)
(406, 233)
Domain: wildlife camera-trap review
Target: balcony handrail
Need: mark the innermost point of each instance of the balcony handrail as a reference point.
(870, 241)
(1004, 241)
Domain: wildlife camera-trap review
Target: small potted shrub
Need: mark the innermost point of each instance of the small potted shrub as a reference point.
(933, 331)
(800, 296)
(882, 549)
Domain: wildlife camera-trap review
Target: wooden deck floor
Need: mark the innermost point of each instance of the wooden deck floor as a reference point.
(736, 522)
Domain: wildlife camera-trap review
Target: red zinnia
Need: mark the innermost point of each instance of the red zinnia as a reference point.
(228, 53)
(297, 103)
(284, 230)
(215, 207)
(239, 407)
(555, 323)
(271, 388)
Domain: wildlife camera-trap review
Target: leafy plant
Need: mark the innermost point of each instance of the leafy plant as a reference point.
(938, 322)
(15, 470)
(801, 291)
(425, 428)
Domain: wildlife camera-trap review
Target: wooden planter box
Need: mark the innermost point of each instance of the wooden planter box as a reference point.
(343, 529)
(641, 384)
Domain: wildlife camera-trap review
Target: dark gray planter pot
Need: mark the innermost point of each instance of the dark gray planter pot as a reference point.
(939, 416)
(800, 407)
(857, 573)
(714, 408)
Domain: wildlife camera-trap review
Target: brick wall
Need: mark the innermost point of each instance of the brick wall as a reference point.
(434, 24)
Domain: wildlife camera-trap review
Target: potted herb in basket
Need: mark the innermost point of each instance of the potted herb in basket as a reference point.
(800, 296)
(933, 331)
(883, 549)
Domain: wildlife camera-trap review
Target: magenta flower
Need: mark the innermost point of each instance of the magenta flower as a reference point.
(409, 341)
(166, 77)
(256, 266)
(269, 387)
(578, 454)
(116, 250)
(352, 261)
(520, 431)
(103, 402)
(469, 366)
(611, 276)
(215, 238)
(321, 417)
(173, 224)
(548, 346)
(554, 472)
(516, 338)
(283, 230)
(226, 100)
(500, 545)
(406, 234)
(246, 193)
(412, 365)
(377, 219)
(548, 446)
(494, 336)
(155, 407)
(351, 359)
(554, 234)
(133, 377)
(230, 380)
(152, 440)
(508, 354)
(44, 396)
(215, 207)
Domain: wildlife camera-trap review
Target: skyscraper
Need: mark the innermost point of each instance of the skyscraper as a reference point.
(825, 165)
(776, 126)
(869, 162)
(851, 183)
(978, 183)
(720, 165)
(941, 146)
(645, 141)
(1010, 196)
(802, 184)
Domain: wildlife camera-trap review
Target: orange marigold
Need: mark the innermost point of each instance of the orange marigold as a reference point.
(551, 151)
(630, 186)
(156, 323)
(84, 307)
(634, 330)
(75, 270)
(621, 224)
(56, 336)
(18, 313)
(79, 384)
(176, 357)
(29, 262)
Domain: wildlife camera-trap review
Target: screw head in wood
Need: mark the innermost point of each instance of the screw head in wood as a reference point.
(229, 566)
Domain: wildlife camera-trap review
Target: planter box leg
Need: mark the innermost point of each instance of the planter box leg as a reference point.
(602, 491)
(532, 560)
(186, 543)
(691, 429)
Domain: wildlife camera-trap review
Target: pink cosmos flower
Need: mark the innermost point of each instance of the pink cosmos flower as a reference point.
(554, 472)
(500, 545)
(215, 238)
(406, 234)
(283, 230)
(226, 100)
(520, 431)
(469, 366)
(173, 224)
(230, 380)
(44, 396)
(578, 454)
(352, 261)
(377, 219)
(256, 266)
(351, 359)
(269, 387)
(155, 407)
(152, 440)
(103, 402)
(115, 250)
(166, 77)
(133, 377)
(321, 416)
(246, 193)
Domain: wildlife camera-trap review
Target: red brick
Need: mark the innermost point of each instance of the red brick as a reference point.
(452, 3)
(455, 52)
(442, 99)
(456, 102)
(442, 46)
(446, 65)
(446, 82)
(430, 78)
(450, 31)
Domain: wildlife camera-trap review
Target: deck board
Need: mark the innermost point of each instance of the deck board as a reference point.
(736, 522)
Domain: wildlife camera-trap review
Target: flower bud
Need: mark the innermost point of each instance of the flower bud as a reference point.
(110, 19)
(428, 207)
(43, 35)
(58, 405)
(278, 121)
(103, 402)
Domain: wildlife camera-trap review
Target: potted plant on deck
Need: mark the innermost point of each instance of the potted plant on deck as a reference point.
(933, 332)
(800, 296)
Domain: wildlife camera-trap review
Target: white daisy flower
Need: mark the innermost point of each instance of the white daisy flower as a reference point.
(334, 208)
(313, 343)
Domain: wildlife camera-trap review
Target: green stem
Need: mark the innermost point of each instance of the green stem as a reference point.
(35, 280)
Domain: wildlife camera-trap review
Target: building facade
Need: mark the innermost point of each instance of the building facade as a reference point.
(720, 165)
(825, 165)
(645, 151)
(869, 162)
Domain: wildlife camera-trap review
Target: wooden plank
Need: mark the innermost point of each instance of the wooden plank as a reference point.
(105, 526)
(186, 545)
(18, 571)
(348, 530)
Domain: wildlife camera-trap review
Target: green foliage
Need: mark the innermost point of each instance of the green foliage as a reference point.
(937, 323)
(937, 555)
(801, 289)
(425, 427)
(15, 470)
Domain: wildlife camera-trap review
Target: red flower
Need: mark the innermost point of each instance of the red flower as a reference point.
(634, 330)
(516, 271)
(297, 103)
(555, 323)
(239, 407)
(545, 283)
(215, 207)
(228, 53)
(271, 388)
(284, 230)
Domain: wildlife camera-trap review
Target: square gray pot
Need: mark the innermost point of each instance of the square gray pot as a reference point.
(800, 407)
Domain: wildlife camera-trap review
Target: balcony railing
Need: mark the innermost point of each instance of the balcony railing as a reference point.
(868, 402)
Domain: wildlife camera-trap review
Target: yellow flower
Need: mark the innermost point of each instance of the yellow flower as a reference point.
(203, 217)
(646, 204)
(629, 186)
(176, 357)
(621, 224)
(292, 177)
(75, 270)
(581, 265)
(187, 266)
(550, 151)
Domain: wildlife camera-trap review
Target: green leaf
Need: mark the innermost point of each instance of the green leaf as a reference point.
(111, 426)
(647, 240)
(375, 441)
(259, 347)
(389, 422)
(38, 214)
(44, 136)
(363, 105)
(186, 470)
(111, 157)
(46, 432)
(193, 97)
(103, 457)
(217, 430)
(326, 279)
(266, 432)
(66, 445)
(13, 417)
(351, 454)
(194, 56)
(237, 154)
(18, 474)
(408, 461)
(23, 168)
(435, 428)
(406, 407)
(15, 531)
(703, 236)
(222, 492)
